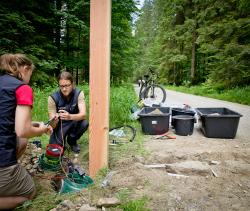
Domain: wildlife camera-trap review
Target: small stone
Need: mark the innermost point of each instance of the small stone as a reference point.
(35, 165)
(59, 207)
(236, 146)
(54, 209)
(140, 187)
(28, 167)
(67, 203)
(108, 202)
(214, 162)
(78, 206)
(32, 171)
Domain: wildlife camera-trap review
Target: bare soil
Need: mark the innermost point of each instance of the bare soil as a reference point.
(194, 172)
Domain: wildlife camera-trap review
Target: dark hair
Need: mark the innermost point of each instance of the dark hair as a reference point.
(64, 75)
(10, 63)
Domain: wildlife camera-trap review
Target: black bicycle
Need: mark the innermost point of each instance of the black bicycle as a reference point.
(150, 90)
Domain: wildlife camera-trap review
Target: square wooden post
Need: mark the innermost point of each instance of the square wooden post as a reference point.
(100, 30)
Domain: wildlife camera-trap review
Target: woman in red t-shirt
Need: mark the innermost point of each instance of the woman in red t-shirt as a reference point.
(16, 126)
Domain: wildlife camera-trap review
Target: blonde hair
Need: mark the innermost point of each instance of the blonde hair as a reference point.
(10, 63)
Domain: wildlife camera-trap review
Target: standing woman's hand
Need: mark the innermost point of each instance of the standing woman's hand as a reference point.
(46, 128)
(25, 128)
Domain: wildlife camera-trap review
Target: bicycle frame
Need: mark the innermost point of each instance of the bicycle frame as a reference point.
(148, 80)
(148, 87)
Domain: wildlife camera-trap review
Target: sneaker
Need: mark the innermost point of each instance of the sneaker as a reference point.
(75, 148)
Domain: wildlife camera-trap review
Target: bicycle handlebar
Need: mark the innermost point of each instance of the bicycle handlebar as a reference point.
(150, 74)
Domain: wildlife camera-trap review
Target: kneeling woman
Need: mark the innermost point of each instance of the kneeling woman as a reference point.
(16, 101)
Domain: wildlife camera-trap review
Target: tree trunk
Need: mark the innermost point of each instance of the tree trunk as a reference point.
(77, 75)
(193, 61)
(58, 26)
(67, 44)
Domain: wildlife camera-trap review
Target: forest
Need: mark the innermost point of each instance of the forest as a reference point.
(188, 42)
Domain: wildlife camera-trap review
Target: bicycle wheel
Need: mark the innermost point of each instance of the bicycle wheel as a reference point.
(155, 93)
(121, 135)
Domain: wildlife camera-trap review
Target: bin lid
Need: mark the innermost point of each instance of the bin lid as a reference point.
(189, 111)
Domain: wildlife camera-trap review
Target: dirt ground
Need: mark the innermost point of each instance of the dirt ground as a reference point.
(192, 172)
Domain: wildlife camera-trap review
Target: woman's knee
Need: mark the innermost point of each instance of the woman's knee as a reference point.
(85, 125)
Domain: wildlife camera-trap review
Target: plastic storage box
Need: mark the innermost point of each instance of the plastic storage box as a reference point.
(154, 121)
(218, 122)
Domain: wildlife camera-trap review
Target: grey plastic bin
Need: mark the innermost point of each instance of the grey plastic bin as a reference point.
(218, 122)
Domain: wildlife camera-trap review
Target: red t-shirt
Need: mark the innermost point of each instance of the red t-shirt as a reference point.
(24, 95)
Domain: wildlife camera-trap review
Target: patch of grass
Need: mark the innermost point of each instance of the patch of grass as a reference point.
(123, 194)
(121, 100)
(237, 95)
(135, 205)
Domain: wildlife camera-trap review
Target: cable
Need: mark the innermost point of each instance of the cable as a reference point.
(60, 157)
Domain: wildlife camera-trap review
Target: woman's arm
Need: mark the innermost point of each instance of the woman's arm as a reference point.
(23, 123)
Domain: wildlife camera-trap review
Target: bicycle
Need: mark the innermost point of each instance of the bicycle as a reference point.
(150, 90)
(121, 134)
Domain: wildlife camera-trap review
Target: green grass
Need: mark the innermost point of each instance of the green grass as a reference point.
(135, 205)
(237, 95)
(122, 98)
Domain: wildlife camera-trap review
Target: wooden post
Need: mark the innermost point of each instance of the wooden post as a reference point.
(100, 26)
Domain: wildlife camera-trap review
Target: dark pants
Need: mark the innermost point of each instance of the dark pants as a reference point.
(70, 131)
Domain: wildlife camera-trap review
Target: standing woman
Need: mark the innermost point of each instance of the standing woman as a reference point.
(16, 101)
